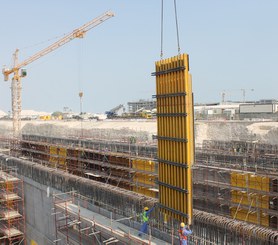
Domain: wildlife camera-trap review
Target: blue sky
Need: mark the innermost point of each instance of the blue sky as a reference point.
(233, 45)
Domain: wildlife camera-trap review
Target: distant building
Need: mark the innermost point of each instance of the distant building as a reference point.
(263, 106)
(263, 109)
(133, 107)
(266, 109)
(2, 114)
(227, 110)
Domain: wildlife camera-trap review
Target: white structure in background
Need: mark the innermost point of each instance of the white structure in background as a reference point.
(137, 105)
(31, 114)
(263, 106)
(229, 109)
(3, 114)
(100, 116)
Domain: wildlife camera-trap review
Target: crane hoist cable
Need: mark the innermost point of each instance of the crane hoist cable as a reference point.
(161, 33)
(162, 26)
(80, 55)
(177, 26)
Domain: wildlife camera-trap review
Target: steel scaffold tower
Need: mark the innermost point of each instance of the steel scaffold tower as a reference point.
(12, 214)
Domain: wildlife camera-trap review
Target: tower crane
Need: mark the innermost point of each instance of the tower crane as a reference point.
(18, 71)
(243, 90)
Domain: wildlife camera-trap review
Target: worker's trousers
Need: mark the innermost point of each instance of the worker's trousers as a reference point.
(144, 228)
(183, 242)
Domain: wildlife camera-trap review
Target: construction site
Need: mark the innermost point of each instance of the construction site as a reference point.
(89, 182)
(234, 190)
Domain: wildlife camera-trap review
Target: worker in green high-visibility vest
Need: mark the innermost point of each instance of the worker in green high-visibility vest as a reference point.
(145, 220)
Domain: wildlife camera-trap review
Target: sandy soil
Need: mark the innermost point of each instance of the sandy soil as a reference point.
(266, 132)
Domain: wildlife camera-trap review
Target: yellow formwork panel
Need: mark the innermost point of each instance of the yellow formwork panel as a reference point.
(144, 179)
(175, 136)
(249, 216)
(238, 179)
(150, 180)
(144, 165)
(251, 181)
(258, 182)
(250, 199)
(62, 156)
(145, 191)
(149, 166)
(53, 151)
(33, 242)
(9, 187)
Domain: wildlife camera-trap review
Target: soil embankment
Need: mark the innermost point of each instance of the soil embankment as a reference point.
(143, 130)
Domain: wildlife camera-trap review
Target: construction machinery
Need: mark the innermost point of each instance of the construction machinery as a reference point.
(19, 72)
(116, 111)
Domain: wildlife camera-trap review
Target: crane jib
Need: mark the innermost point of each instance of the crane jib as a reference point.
(16, 81)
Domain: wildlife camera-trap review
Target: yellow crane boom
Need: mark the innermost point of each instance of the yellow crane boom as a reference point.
(16, 79)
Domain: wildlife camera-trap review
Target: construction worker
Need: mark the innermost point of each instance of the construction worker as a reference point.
(145, 220)
(184, 231)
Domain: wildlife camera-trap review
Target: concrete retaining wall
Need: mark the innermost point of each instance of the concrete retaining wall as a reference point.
(40, 225)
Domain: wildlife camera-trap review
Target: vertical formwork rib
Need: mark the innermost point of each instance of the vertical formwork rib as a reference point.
(175, 136)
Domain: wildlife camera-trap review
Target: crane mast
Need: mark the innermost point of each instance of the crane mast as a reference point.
(16, 79)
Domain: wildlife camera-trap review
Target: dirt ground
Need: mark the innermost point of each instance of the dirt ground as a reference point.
(143, 130)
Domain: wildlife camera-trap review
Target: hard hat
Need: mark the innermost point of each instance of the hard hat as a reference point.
(146, 208)
(182, 225)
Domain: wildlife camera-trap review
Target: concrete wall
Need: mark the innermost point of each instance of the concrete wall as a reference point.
(39, 221)
(38, 206)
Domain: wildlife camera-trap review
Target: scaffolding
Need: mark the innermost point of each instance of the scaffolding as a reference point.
(235, 179)
(101, 163)
(12, 215)
(238, 179)
(5, 145)
(218, 212)
(79, 221)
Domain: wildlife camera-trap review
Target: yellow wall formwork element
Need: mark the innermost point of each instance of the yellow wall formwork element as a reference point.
(45, 117)
(144, 180)
(53, 159)
(175, 136)
(33, 242)
(249, 202)
(57, 156)
(62, 156)
(252, 217)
